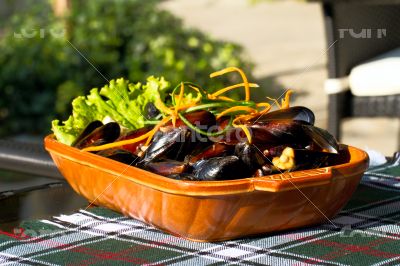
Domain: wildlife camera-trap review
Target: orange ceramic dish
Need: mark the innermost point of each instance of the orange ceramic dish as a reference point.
(211, 210)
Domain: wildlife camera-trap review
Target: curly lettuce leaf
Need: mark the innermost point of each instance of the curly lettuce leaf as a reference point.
(119, 100)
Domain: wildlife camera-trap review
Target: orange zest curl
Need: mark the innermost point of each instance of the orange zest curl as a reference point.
(178, 103)
(242, 127)
(221, 91)
(286, 100)
(118, 143)
(235, 69)
(149, 135)
(224, 98)
(236, 109)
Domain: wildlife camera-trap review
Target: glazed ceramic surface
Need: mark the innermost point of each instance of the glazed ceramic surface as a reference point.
(212, 210)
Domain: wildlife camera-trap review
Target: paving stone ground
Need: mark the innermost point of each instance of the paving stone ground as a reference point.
(286, 41)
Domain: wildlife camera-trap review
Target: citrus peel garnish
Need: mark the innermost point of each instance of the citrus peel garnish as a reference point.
(180, 103)
(235, 69)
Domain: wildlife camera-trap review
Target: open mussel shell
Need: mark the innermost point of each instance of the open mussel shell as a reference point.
(88, 129)
(273, 132)
(168, 143)
(296, 113)
(101, 135)
(322, 138)
(119, 155)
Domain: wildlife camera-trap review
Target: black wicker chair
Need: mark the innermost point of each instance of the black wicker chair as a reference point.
(347, 52)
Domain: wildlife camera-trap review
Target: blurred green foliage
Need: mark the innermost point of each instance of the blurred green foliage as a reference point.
(44, 60)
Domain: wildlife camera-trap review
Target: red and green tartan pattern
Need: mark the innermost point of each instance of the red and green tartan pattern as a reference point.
(367, 233)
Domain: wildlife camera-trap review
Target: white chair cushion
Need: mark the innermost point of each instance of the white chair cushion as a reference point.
(377, 77)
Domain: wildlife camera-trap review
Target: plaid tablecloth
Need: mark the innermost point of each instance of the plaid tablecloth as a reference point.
(368, 233)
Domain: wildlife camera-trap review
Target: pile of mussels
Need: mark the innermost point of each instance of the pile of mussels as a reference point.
(283, 140)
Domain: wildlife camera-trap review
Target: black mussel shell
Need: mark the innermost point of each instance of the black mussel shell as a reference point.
(168, 143)
(88, 129)
(296, 113)
(266, 169)
(101, 135)
(183, 177)
(308, 159)
(119, 155)
(250, 155)
(167, 167)
(258, 173)
(342, 157)
(322, 138)
(151, 111)
(220, 168)
(272, 133)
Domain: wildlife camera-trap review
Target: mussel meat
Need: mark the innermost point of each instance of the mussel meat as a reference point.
(167, 167)
(213, 150)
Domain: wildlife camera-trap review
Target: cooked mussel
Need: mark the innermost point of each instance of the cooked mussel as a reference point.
(322, 139)
(176, 142)
(167, 145)
(299, 159)
(250, 155)
(295, 113)
(270, 133)
(282, 133)
(88, 129)
(309, 159)
(101, 135)
(220, 168)
(283, 126)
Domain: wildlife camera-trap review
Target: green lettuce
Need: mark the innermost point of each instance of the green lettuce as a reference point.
(122, 101)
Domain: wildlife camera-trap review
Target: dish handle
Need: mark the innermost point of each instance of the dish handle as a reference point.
(293, 180)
